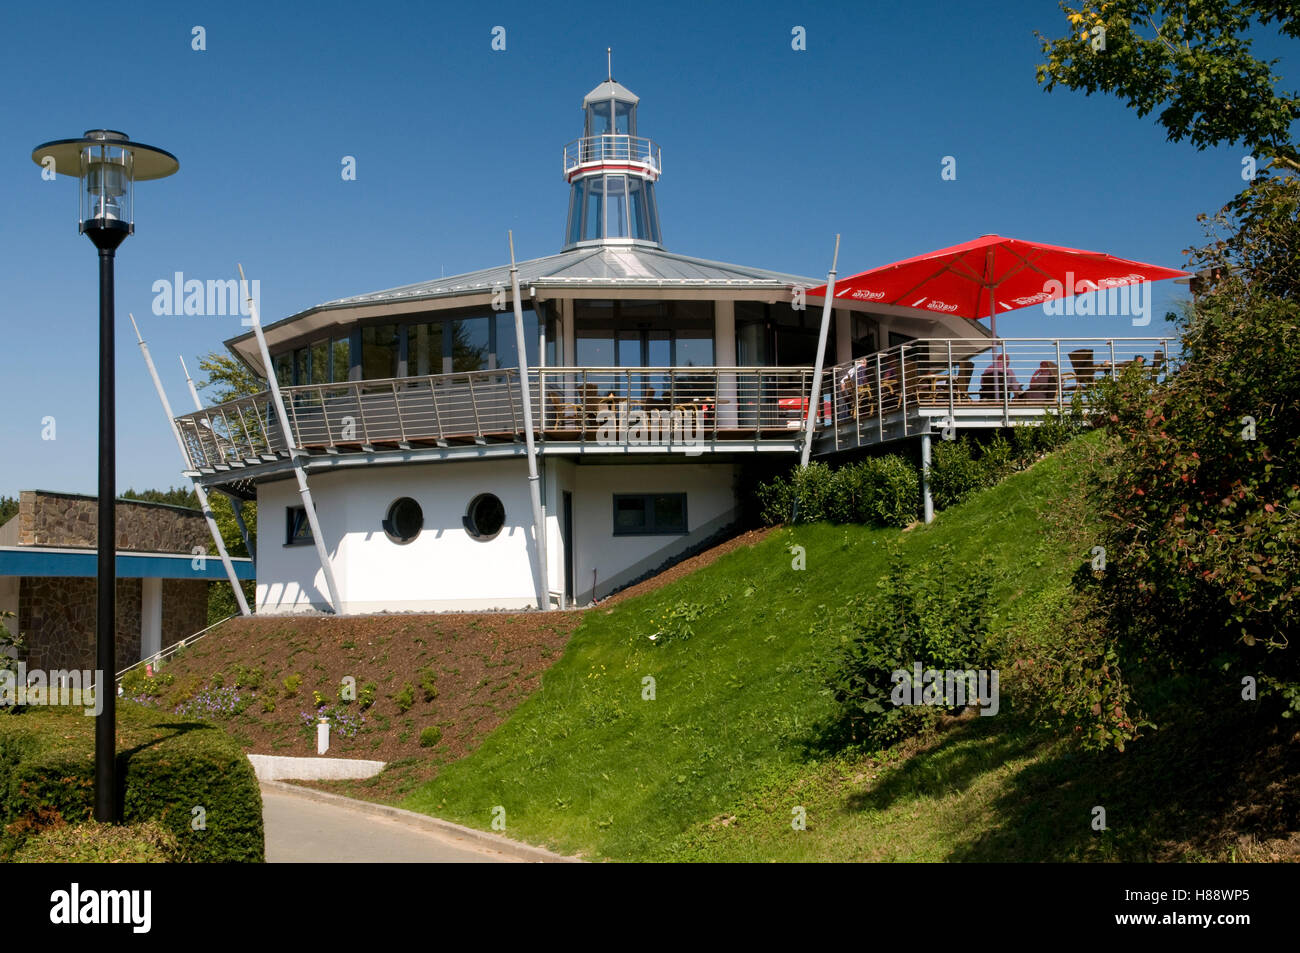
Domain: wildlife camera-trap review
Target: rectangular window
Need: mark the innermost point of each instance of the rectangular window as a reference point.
(284, 369)
(649, 514)
(379, 352)
(341, 355)
(320, 362)
(470, 341)
(508, 342)
(297, 529)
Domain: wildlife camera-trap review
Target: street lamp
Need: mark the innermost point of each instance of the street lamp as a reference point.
(107, 164)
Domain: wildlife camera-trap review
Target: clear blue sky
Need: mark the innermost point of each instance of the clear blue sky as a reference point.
(768, 153)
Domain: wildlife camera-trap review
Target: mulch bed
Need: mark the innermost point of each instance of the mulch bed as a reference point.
(485, 663)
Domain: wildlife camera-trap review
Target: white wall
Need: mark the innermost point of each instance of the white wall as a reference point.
(444, 567)
(710, 504)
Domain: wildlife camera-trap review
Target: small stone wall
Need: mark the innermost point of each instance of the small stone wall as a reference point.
(69, 519)
(56, 618)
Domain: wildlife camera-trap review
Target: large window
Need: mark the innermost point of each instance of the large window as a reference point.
(644, 333)
(777, 335)
(322, 362)
(379, 351)
(460, 340)
(649, 514)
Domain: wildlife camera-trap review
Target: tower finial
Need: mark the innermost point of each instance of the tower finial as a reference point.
(609, 62)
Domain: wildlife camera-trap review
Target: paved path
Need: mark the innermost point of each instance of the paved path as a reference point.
(300, 829)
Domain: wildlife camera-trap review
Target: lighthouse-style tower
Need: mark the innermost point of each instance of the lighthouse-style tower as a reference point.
(612, 174)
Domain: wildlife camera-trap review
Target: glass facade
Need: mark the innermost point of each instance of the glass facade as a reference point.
(613, 206)
(477, 340)
(778, 335)
(643, 333)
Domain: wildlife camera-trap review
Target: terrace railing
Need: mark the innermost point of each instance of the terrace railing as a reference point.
(987, 382)
(999, 380)
(582, 404)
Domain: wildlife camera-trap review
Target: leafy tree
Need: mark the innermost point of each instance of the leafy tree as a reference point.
(173, 496)
(8, 508)
(1254, 247)
(1191, 60)
(227, 379)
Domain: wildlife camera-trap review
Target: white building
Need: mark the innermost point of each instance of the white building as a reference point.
(654, 377)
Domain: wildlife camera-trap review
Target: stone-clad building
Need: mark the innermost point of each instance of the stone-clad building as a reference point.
(47, 577)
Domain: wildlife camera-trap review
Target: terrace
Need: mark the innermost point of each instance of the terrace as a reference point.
(903, 392)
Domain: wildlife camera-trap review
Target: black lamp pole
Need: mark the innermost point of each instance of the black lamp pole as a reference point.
(106, 239)
(107, 164)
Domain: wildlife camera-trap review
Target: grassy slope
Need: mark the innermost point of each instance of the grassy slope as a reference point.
(587, 766)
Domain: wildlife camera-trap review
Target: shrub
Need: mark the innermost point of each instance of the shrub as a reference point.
(954, 473)
(167, 767)
(250, 678)
(405, 698)
(292, 684)
(810, 488)
(1201, 507)
(139, 686)
(366, 694)
(930, 615)
(429, 684)
(147, 842)
(774, 500)
(430, 736)
(884, 491)
(893, 491)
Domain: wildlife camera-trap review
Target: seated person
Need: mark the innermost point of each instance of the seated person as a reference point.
(1043, 385)
(999, 380)
(853, 385)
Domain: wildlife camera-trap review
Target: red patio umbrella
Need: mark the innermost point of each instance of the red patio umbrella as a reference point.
(991, 274)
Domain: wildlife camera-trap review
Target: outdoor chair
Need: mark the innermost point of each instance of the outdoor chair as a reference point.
(1084, 370)
(935, 387)
(562, 415)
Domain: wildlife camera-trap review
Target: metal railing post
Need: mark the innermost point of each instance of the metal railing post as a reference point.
(397, 405)
(1060, 390)
(952, 389)
(880, 405)
(473, 403)
(902, 384)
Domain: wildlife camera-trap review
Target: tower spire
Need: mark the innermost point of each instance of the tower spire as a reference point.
(611, 171)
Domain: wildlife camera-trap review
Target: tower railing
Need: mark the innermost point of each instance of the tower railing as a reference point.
(613, 148)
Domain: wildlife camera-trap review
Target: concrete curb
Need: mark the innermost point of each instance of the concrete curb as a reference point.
(277, 767)
(411, 818)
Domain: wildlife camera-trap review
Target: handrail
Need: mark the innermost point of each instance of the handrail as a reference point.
(612, 147)
(173, 648)
(727, 404)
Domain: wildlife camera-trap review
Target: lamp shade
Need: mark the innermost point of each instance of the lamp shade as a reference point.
(107, 163)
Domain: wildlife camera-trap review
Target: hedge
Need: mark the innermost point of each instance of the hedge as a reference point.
(167, 766)
(145, 843)
(884, 491)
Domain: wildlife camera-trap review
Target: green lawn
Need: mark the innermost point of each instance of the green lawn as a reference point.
(587, 765)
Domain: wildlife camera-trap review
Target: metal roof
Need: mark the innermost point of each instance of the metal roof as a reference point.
(610, 89)
(621, 265)
(594, 267)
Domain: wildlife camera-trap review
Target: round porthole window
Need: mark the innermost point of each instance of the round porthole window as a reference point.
(404, 521)
(485, 517)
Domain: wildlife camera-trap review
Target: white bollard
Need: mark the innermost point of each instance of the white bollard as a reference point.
(323, 736)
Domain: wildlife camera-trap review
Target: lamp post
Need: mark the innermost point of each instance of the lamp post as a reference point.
(107, 163)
